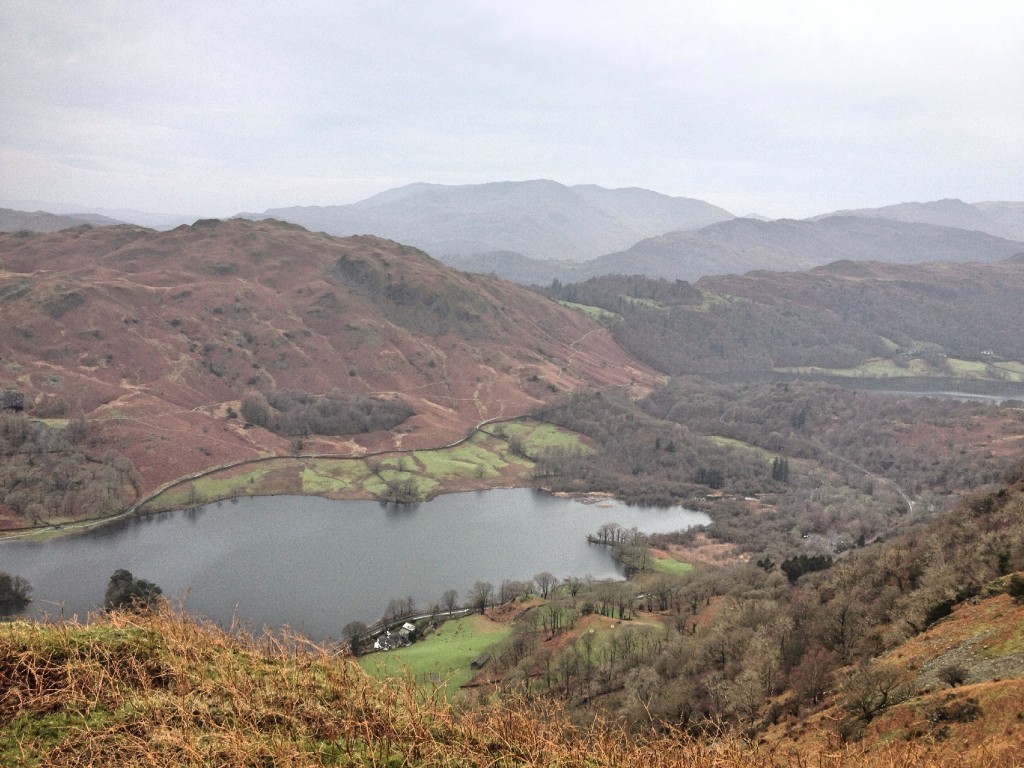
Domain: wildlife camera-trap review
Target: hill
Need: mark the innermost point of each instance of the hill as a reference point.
(742, 245)
(848, 319)
(538, 219)
(157, 338)
(133, 690)
(40, 221)
(1002, 219)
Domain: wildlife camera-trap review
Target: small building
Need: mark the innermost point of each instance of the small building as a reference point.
(389, 641)
(408, 631)
(480, 661)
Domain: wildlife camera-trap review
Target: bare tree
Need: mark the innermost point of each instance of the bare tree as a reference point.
(481, 594)
(450, 601)
(871, 688)
(545, 581)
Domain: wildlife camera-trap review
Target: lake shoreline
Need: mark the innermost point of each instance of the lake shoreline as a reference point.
(314, 564)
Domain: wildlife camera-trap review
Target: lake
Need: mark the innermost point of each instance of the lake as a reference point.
(315, 564)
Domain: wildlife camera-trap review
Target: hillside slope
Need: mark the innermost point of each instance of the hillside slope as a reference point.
(862, 319)
(157, 337)
(163, 690)
(41, 221)
(538, 219)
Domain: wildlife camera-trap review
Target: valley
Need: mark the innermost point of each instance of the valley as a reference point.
(840, 530)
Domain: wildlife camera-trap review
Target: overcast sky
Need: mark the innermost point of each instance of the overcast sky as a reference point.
(780, 108)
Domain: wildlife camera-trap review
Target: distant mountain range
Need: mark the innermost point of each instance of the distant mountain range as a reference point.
(40, 221)
(533, 232)
(743, 245)
(538, 219)
(1002, 219)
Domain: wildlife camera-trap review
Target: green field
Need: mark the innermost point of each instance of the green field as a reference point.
(649, 303)
(538, 437)
(670, 566)
(596, 313)
(446, 654)
(890, 369)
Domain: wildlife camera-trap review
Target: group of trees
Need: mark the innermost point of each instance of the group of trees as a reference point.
(830, 468)
(52, 472)
(14, 592)
(481, 596)
(741, 645)
(431, 309)
(291, 413)
(641, 458)
(822, 318)
(125, 591)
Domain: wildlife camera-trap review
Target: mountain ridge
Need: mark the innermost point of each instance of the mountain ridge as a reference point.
(539, 218)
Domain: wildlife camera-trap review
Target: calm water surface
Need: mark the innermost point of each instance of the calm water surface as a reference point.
(316, 564)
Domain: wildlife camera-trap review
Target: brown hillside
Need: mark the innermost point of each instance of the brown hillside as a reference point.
(155, 335)
(979, 721)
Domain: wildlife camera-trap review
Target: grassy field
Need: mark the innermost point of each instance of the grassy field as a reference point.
(670, 566)
(596, 313)
(885, 368)
(538, 437)
(446, 654)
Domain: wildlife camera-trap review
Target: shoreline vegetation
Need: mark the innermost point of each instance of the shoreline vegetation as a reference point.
(495, 453)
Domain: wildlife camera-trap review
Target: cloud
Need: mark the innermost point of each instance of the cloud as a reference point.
(793, 108)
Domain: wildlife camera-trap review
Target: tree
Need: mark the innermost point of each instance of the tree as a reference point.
(953, 675)
(871, 688)
(481, 594)
(124, 591)
(574, 584)
(354, 632)
(780, 470)
(545, 581)
(400, 608)
(256, 410)
(14, 591)
(450, 601)
(812, 677)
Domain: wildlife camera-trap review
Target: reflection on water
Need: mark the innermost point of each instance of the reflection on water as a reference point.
(316, 564)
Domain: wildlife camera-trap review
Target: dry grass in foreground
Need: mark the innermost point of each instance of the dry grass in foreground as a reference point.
(163, 690)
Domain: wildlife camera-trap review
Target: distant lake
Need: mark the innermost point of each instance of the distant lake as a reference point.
(316, 564)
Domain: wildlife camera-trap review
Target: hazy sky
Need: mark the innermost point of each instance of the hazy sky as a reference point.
(783, 108)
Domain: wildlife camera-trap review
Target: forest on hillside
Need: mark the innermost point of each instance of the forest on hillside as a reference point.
(836, 317)
(747, 645)
(855, 522)
(60, 472)
(829, 466)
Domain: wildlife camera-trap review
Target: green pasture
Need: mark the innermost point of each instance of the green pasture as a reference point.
(889, 369)
(447, 653)
(649, 303)
(538, 436)
(670, 566)
(595, 313)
